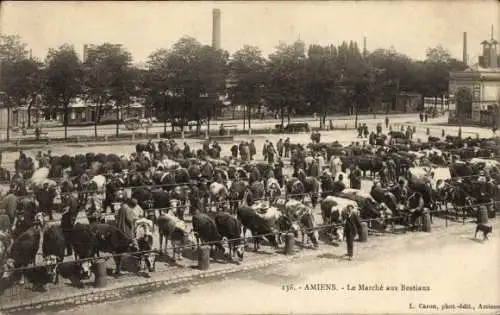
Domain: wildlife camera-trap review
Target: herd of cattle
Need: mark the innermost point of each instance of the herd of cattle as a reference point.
(227, 196)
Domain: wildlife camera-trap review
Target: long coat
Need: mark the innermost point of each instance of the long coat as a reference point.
(125, 220)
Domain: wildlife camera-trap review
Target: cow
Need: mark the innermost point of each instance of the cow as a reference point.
(110, 239)
(53, 247)
(205, 230)
(84, 244)
(23, 250)
(173, 229)
(259, 227)
(144, 238)
(230, 228)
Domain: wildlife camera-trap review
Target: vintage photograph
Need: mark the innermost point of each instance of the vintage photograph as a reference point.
(249, 157)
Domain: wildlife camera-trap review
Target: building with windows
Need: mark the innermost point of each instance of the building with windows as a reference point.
(483, 81)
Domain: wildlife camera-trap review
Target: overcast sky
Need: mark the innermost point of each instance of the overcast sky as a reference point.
(409, 26)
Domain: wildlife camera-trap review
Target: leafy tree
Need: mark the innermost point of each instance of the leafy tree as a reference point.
(196, 75)
(158, 83)
(247, 78)
(21, 75)
(64, 77)
(108, 79)
(323, 74)
(286, 69)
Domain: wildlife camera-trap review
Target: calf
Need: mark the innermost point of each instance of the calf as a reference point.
(257, 225)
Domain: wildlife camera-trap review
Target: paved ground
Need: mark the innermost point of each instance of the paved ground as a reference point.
(455, 268)
(338, 121)
(166, 268)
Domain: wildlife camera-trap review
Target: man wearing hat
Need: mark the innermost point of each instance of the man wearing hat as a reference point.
(350, 230)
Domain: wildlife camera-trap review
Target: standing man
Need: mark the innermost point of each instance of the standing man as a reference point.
(271, 152)
(265, 150)
(279, 146)
(287, 147)
(350, 230)
(252, 149)
(355, 178)
(125, 219)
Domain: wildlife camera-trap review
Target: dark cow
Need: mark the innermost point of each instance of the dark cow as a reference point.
(205, 229)
(53, 247)
(84, 243)
(230, 228)
(110, 239)
(23, 251)
(259, 227)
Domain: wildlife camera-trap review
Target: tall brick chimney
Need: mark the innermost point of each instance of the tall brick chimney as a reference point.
(216, 37)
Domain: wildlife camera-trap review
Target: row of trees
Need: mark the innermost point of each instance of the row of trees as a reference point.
(186, 81)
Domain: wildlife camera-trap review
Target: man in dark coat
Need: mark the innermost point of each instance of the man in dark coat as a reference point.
(287, 147)
(234, 150)
(265, 149)
(279, 146)
(350, 230)
(355, 178)
(278, 171)
(252, 149)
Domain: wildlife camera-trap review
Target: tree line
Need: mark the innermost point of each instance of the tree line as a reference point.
(186, 81)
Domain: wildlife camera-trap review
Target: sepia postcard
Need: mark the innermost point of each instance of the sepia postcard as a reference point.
(249, 157)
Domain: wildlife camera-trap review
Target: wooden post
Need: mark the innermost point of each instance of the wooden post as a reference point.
(289, 244)
(363, 234)
(428, 131)
(203, 257)
(158, 136)
(106, 138)
(442, 133)
(133, 136)
(100, 274)
(182, 134)
(426, 222)
(414, 129)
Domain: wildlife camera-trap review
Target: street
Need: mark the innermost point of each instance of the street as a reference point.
(338, 121)
(449, 267)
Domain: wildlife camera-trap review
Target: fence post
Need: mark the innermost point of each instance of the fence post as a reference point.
(289, 244)
(363, 234)
(428, 131)
(442, 133)
(158, 136)
(106, 138)
(100, 274)
(182, 134)
(133, 136)
(203, 257)
(414, 129)
(426, 222)
(477, 135)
